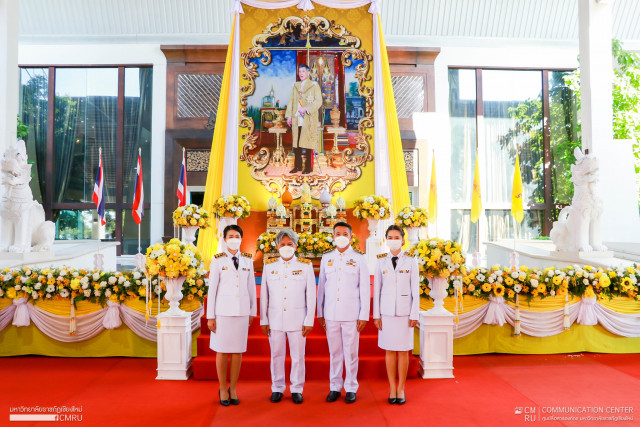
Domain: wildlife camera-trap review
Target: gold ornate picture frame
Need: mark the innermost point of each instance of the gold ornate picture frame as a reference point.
(259, 158)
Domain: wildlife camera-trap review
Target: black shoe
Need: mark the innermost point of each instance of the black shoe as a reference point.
(350, 397)
(306, 172)
(333, 396)
(401, 401)
(297, 397)
(295, 170)
(233, 401)
(223, 402)
(276, 397)
(393, 400)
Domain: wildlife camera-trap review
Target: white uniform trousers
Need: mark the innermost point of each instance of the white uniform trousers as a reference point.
(278, 344)
(343, 339)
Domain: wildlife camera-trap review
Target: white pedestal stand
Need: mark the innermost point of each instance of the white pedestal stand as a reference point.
(373, 245)
(174, 336)
(436, 335)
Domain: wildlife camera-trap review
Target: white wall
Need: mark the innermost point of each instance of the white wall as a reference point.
(120, 54)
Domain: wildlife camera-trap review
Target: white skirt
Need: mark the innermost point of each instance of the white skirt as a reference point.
(231, 334)
(396, 335)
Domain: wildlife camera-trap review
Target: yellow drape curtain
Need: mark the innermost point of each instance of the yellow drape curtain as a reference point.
(399, 186)
(208, 238)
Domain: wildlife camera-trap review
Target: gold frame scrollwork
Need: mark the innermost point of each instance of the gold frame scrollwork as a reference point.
(259, 160)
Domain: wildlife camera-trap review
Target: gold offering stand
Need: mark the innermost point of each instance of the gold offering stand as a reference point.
(335, 157)
(278, 157)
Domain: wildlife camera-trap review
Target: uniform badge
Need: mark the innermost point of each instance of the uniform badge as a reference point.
(245, 269)
(296, 272)
(224, 267)
(351, 263)
(330, 263)
(403, 271)
(385, 272)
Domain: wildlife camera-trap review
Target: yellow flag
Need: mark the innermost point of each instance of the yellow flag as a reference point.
(516, 194)
(433, 193)
(476, 199)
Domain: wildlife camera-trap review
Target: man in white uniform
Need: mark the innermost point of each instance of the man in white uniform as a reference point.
(287, 309)
(344, 295)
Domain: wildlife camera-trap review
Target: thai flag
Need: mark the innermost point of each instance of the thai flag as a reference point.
(98, 191)
(138, 198)
(182, 182)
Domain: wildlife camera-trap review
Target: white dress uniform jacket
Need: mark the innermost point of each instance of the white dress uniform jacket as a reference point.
(287, 294)
(396, 292)
(231, 292)
(344, 291)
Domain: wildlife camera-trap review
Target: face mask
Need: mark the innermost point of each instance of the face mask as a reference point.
(286, 252)
(233, 244)
(341, 241)
(394, 245)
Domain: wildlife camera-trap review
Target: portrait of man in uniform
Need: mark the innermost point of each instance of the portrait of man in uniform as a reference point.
(302, 117)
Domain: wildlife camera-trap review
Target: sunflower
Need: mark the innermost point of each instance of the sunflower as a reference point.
(486, 287)
(557, 280)
(542, 288)
(626, 284)
(498, 290)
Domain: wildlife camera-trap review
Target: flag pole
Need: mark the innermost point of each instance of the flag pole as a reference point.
(139, 244)
(99, 223)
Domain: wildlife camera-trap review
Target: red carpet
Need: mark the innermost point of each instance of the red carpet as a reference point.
(486, 392)
(255, 362)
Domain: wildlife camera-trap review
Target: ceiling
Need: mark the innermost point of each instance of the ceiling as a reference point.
(405, 22)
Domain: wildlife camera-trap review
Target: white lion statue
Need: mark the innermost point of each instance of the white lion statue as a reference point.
(578, 225)
(24, 228)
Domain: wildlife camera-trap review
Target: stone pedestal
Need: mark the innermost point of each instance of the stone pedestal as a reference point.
(436, 345)
(174, 347)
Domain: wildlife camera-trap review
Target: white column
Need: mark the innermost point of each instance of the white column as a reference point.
(620, 221)
(596, 75)
(157, 150)
(8, 71)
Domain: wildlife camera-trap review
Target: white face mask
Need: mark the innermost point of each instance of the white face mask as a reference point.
(233, 244)
(341, 241)
(394, 245)
(287, 252)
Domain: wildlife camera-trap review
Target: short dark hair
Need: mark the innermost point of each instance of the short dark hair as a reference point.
(304, 66)
(396, 228)
(229, 228)
(342, 224)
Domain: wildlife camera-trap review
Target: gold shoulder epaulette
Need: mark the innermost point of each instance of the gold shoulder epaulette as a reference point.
(358, 250)
(304, 260)
(221, 254)
(270, 261)
(382, 255)
(247, 254)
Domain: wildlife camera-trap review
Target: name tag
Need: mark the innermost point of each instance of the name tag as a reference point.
(224, 267)
(245, 269)
(403, 271)
(297, 272)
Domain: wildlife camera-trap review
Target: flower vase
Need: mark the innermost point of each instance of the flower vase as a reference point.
(189, 234)
(373, 228)
(413, 235)
(222, 223)
(438, 286)
(174, 294)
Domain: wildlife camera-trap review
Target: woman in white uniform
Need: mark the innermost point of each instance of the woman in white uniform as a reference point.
(231, 307)
(396, 302)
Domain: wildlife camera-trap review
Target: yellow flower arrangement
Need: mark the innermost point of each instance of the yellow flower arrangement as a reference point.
(266, 243)
(437, 257)
(190, 216)
(309, 244)
(371, 207)
(410, 216)
(174, 259)
(232, 206)
(83, 285)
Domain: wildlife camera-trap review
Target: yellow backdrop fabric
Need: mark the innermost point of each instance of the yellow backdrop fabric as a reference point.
(359, 22)
(398, 172)
(207, 237)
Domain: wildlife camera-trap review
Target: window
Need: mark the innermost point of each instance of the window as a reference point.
(71, 114)
(499, 114)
